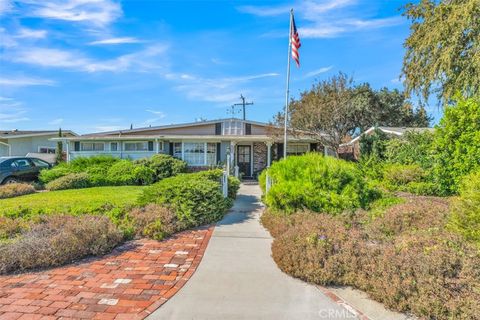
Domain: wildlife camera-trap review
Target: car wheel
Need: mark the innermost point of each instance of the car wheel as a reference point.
(10, 180)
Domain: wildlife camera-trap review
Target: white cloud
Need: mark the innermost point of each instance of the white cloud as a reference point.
(11, 112)
(98, 13)
(218, 90)
(5, 6)
(57, 58)
(25, 81)
(159, 114)
(322, 18)
(317, 72)
(30, 33)
(120, 40)
(56, 121)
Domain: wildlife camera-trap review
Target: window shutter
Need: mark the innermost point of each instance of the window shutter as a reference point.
(77, 146)
(218, 129)
(150, 145)
(170, 150)
(219, 148)
(279, 151)
(248, 129)
(313, 147)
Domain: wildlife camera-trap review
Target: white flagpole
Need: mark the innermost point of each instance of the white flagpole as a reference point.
(288, 86)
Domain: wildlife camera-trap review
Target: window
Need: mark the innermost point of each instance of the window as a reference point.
(93, 146)
(297, 149)
(46, 150)
(136, 146)
(177, 150)
(211, 154)
(194, 153)
(231, 128)
(161, 147)
(114, 146)
(40, 163)
(21, 164)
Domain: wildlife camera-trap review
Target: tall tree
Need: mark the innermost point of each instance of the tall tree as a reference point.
(336, 108)
(443, 50)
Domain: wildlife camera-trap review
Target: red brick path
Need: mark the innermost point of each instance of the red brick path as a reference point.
(129, 283)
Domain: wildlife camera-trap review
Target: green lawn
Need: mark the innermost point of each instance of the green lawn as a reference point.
(78, 201)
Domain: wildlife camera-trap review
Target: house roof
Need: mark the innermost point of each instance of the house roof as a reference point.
(170, 126)
(31, 133)
(399, 131)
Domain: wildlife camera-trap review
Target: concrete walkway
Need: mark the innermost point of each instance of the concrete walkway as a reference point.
(238, 279)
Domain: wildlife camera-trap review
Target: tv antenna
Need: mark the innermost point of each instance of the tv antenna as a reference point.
(243, 104)
(232, 111)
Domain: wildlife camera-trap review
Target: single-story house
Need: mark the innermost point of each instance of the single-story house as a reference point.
(18, 143)
(201, 144)
(351, 149)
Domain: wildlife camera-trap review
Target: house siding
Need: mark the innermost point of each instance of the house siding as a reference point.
(206, 129)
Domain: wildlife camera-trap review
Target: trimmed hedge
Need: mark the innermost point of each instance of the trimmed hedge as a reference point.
(125, 172)
(15, 189)
(195, 198)
(317, 183)
(163, 165)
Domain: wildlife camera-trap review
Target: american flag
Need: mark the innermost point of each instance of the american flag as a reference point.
(295, 39)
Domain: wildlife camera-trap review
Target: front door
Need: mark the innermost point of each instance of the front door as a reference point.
(244, 160)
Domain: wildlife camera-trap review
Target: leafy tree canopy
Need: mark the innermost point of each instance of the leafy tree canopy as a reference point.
(443, 50)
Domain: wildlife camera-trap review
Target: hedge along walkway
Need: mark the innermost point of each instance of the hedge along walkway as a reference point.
(129, 283)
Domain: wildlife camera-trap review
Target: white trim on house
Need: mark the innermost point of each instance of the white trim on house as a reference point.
(7, 136)
(398, 131)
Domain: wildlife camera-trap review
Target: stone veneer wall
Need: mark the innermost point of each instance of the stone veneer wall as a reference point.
(259, 156)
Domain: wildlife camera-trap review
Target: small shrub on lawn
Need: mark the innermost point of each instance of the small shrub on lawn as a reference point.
(216, 175)
(422, 188)
(155, 222)
(125, 172)
(15, 189)
(397, 175)
(70, 181)
(465, 218)
(57, 240)
(164, 166)
(317, 183)
(195, 200)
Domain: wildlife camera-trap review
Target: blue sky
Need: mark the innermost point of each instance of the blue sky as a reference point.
(96, 65)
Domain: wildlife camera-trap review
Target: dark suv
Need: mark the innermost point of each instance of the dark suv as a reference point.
(21, 169)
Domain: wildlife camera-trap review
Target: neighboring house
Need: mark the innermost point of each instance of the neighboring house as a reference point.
(351, 149)
(20, 143)
(201, 144)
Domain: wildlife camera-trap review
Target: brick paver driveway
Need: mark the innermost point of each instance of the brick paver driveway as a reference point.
(129, 283)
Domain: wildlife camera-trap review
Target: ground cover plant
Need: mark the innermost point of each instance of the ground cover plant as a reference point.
(406, 257)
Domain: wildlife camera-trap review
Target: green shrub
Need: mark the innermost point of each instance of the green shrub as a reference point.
(70, 181)
(374, 144)
(318, 183)
(125, 172)
(465, 218)
(411, 148)
(195, 200)
(164, 165)
(15, 189)
(399, 175)
(56, 240)
(457, 144)
(48, 175)
(216, 176)
(422, 188)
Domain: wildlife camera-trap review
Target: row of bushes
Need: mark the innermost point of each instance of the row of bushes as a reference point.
(406, 258)
(109, 171)
(168, 206)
